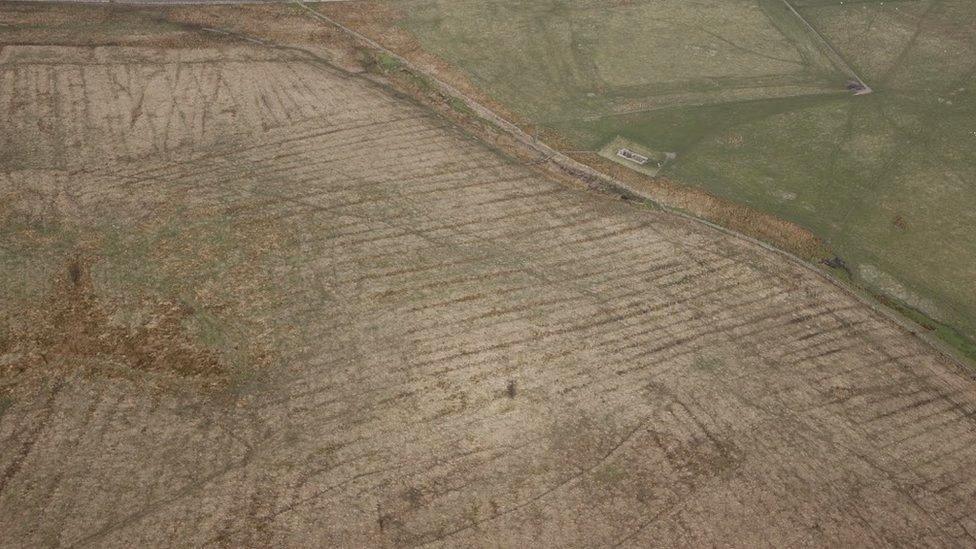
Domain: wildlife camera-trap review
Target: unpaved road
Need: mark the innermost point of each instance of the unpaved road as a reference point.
(179, 2)
(378, 331)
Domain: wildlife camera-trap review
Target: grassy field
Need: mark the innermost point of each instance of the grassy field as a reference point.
(754, 104)
(248, 299)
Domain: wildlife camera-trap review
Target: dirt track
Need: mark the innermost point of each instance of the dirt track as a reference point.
(179, 2)
(417, 340)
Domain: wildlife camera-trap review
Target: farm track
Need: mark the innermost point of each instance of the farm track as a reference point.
(835, 56)
(179, 2)
(670, 384)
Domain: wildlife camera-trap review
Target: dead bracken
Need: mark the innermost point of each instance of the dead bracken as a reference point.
(73, 329)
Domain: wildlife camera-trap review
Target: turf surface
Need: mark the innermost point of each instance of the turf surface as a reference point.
(753, 100)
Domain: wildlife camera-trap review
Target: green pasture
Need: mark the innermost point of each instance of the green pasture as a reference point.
(754, 102)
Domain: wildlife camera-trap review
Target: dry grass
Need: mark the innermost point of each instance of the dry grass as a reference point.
(428, 342)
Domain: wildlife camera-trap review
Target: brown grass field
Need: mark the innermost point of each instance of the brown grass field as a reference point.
(248, 298)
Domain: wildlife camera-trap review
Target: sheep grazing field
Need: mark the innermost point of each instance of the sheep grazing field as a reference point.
(249, 298)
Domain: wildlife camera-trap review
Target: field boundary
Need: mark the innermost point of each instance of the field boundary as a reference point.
(600, 181)
(837, 58)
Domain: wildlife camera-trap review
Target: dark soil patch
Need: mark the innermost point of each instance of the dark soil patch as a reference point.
(73, 326)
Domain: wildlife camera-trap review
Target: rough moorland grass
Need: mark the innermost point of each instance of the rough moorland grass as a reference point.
(755, 106)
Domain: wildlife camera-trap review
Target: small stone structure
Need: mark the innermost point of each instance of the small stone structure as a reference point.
(632, 156)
